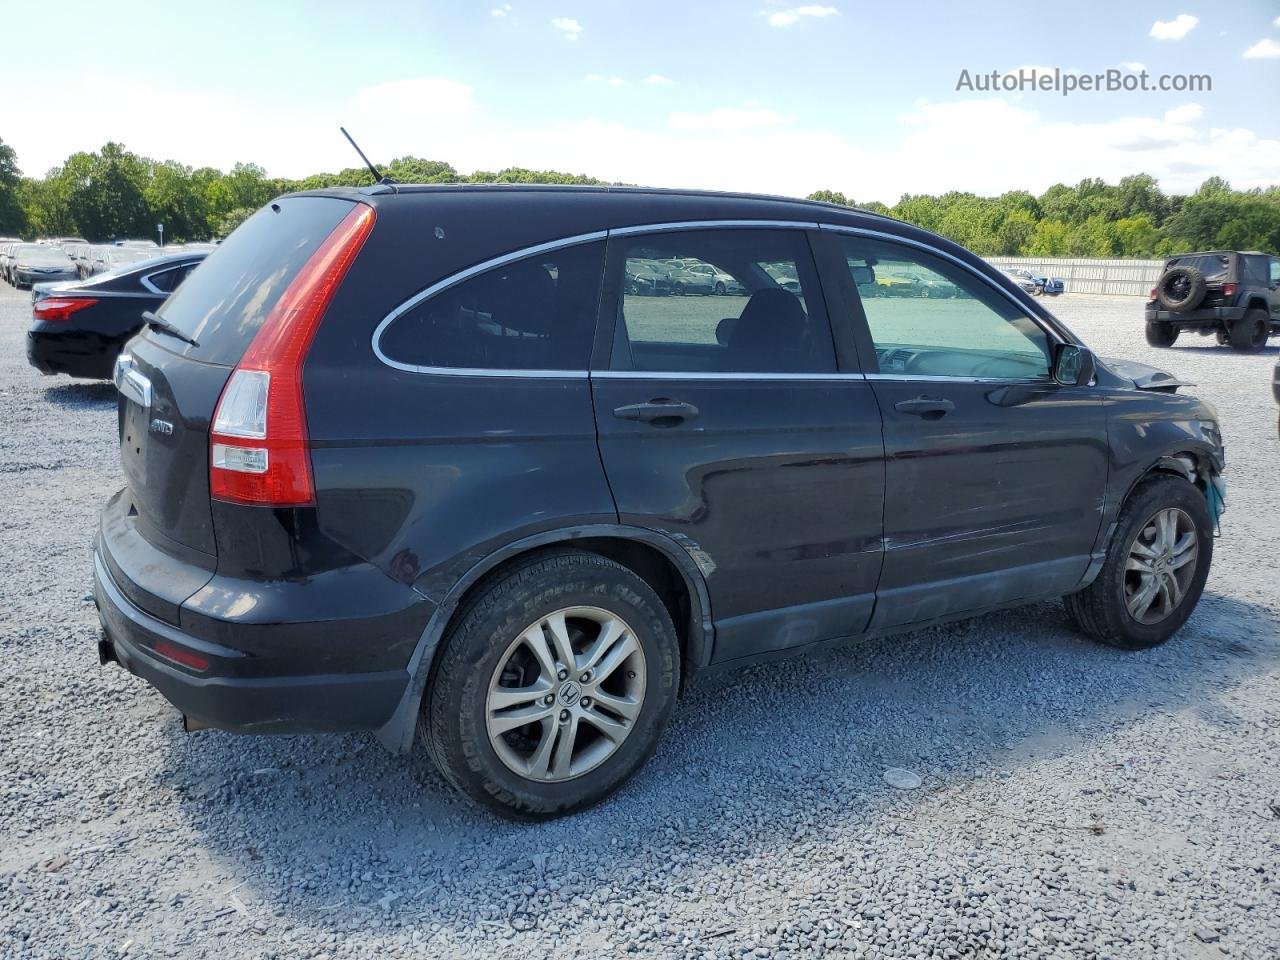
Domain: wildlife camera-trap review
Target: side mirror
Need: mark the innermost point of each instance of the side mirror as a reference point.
(1073, 365)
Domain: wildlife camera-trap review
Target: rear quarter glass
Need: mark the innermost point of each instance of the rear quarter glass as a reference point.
(223, 304)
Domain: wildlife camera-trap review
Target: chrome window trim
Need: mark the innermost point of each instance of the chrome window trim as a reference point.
(145, 280)
(1053, 335)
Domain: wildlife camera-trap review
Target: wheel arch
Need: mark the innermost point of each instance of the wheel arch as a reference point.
(656, 558)
(1190, 462)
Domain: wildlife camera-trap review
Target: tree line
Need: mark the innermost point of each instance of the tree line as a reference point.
(114, 193)
(1133, 218)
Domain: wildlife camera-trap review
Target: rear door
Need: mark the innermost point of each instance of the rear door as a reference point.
(995, 473)
(727, 423)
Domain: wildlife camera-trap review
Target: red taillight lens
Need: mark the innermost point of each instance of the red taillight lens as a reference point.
(258, 448)
(1228, 289)
(59, 308)
(1155, 292)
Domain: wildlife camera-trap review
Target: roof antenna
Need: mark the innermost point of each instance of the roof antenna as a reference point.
(377, 177)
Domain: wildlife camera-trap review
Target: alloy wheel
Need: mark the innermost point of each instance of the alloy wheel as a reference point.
(565, 694)
(1160, 565)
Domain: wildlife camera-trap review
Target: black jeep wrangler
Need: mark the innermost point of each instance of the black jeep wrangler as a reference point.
(1235, 296)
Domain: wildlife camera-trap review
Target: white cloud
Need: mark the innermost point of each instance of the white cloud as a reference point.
(568, 26)
(657, 79)
(1185, 113)
(785, 18)
(1174, 29)
(727, 120)
(754, 147)
(501, 11)
(1133, 66)
(1276, 21)
(1266, 49)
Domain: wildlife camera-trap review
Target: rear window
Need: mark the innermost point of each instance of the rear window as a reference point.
(224, 303)
(1213, 266)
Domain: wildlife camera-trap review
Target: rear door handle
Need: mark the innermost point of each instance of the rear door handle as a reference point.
(662, 412)
(930, 408)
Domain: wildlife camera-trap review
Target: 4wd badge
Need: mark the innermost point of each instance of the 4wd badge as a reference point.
(162, 427)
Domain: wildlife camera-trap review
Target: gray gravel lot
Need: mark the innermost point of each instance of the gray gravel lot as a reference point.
(1076, 801)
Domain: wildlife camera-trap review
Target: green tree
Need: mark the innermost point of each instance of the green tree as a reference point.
(12, 219)
(829, 196)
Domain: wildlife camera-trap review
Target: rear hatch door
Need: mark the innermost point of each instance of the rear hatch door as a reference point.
(170, 383)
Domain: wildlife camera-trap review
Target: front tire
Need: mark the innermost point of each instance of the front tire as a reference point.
(1155, 568)
(553, 687)
(1161, 333)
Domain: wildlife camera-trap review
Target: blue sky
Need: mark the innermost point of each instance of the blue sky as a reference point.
(774, 97)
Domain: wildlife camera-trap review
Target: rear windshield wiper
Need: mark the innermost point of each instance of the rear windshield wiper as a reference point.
(164, 326)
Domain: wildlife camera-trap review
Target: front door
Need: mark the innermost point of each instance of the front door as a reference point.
(995, 474)
(725, 422)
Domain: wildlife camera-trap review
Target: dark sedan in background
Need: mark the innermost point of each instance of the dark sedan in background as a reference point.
(33, 263)
(79, 328)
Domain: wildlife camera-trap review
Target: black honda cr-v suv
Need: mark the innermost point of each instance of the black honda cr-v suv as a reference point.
(416, 460)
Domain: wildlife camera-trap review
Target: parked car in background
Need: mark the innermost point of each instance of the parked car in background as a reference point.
(686, 281)
(721, 283)
(6, 258)
(493, 500)
(110, 257)
(1231, 295)
(1039, 284)
(39, 262)
(80, 327)
(644, 278)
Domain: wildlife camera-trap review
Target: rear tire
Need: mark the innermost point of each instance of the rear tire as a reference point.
(1104, 610)
(1249, 333)
(505, 658)
(1161, 333)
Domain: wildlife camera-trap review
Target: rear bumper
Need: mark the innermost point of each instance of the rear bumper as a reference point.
(76, 353)
(1207, 315)
(230, 693)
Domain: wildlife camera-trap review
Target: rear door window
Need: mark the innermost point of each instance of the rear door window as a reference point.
(225, 302)
(764, 314)
(536, 313)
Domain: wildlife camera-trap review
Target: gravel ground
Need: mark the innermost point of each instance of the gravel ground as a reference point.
(1075, 801)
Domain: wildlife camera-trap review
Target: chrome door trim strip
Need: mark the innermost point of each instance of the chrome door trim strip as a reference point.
(693, 375)
(907, 377)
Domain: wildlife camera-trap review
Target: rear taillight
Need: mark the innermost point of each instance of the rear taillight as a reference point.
(1228, 289)
(258, 448)
(1155, 292)
(59, 308)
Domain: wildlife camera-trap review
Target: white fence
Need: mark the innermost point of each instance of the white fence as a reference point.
(1124, 277)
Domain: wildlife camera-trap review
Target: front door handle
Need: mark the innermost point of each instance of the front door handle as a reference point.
(660, 412)
(930, 408)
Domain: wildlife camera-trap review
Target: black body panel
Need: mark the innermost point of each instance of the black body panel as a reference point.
(795, 509)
